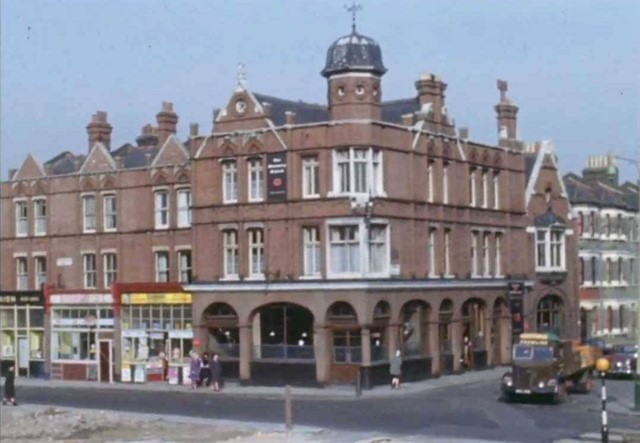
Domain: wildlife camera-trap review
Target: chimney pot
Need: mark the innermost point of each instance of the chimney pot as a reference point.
(99, 130)
(464, 133)
(290, 117)
(193, 129)
(408, 119)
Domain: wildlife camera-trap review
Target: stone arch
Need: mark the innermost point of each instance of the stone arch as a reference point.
(282, 331)
(550, 314)
(499, 330)
(108, 182)
(87, 184)
(160, 178)
(497, 159)
(414, 340)
(254, 148)
(228, 149)
(380, 331)
(485, 157)
(342, 320)
(183, 176)
(38, 188)
(222, 326)
(432, 150)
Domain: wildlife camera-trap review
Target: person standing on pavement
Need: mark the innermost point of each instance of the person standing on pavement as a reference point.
(194, 369)
(9, 394)
(395, 369)
(216, 372)
(205, 373)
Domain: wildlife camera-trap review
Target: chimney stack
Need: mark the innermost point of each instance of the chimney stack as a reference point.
(193, 130)
(149, 136)
(99, 130)
(431, 92)
(464, 133)
(290, 117)
(167, 122)
(507, 115)
(601, 168)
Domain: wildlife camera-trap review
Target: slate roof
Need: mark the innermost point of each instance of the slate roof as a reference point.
(64, 163)
(600, 194)
(393, 110)
(305, 112)
(354, 52)
(548, 219)
(529, 161)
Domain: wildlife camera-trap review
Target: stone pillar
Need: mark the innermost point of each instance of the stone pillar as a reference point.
(322, 350)
(393, 339)
(245, 352)
(366, 346)
(488, 346)
(505, 340)
(434, 347)
(456, 342)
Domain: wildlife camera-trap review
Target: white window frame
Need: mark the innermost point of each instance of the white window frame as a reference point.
(89, 270)
(109, 268)
(548, 245)
(485, 188)
(231, 262)
(486, 262)
(472, 187)
(22, 273)
(255, 179)
(162, 270)
(185, 266)
(229, 181)
(311, 251)
(447, 252)
(430, 181)
(474, 255)
(39, 220)
(498, 255)
(22, 217)
(256, 246)
(445, 182)
(432, 252)
(346, 161)
(162, 214)
(377, 245)
(109, 216)
(86, 216)
(496, 190)
(310, 177)
(362, 248)
(40, 270)
(183, 207)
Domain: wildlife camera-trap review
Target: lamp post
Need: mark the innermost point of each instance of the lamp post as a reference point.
(636, 163)
(602, 366)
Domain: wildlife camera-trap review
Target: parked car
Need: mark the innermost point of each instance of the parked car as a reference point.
(623, 359)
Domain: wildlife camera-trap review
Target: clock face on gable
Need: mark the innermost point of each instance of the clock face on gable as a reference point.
(241, 106)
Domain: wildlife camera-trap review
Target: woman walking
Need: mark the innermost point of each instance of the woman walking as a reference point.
(10, 387)
(216, 372)
(395, 369)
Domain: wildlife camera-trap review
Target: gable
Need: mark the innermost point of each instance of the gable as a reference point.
(98, 160)
(171, 153)
(30, 168)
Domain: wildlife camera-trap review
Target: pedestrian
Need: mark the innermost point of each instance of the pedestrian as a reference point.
(395, 369)
(216, 372)
(194, 369)
(205, 373)
(9, 394)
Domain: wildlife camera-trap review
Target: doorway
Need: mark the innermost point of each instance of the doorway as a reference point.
(106, 361)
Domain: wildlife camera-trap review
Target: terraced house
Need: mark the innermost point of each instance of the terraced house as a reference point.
(308, 241)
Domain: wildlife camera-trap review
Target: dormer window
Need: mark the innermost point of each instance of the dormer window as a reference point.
(550, 250)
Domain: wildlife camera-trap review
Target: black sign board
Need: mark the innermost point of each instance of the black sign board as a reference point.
(21, 298)
(516, 306)
(277, 176)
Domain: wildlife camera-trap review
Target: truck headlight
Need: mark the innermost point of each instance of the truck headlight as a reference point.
(507, 380)
(541, 384)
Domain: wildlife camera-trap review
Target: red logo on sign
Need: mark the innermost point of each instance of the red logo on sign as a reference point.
(277, 182)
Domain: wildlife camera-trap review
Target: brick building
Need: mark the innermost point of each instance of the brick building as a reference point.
(323, 237)
(607, 215)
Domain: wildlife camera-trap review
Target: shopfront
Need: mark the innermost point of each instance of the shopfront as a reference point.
(157, 336)
(82, 336)
(22, 332)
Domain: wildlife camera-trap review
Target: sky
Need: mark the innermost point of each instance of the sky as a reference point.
(573, 67)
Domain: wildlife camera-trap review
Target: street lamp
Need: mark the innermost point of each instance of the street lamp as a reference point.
(636, 163)
(602, 366)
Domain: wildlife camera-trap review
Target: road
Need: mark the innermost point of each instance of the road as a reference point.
(470, 411)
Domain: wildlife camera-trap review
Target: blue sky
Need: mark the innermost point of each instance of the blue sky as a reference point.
(573, 66)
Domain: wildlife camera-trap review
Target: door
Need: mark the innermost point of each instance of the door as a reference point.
(23, 356)
(106, 361)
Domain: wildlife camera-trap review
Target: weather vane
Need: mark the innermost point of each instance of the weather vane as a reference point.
(353, 9)
(242, 75)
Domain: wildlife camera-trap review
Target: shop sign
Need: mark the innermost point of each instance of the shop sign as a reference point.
(165, 298)
(516, 306)
(277, 176)
(81, 299)
(15, 298)
(139, 374)
(177, 333)
(125, 374)
(82, 322)
(134, 333)
(173, 375)
(64, 262)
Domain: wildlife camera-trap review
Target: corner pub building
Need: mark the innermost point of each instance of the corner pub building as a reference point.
(327, 237)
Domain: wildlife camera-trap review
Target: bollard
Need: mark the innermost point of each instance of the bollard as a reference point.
(288, 413)
(604, 429)
(359, 384)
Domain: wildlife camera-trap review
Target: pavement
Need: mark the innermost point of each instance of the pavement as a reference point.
(329, 392)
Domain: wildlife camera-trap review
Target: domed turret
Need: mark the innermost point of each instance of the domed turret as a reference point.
(354, 53)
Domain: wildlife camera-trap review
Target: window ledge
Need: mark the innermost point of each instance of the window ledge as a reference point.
(161, 228)
(39, 234)
(311, 196)
(232, 277)
(255, 277)
(111, 230)
(310, 277)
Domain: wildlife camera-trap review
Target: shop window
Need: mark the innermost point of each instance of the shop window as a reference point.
(162, 266)
(40, 214)
(229, 182)
(310, 177)
(311, 251)
(161, 201)
(184, 208)
(41, 271)
(256, 180)
(88, 213)
(415, 329)
(36, 317)
(90, 274)
(22, 273)
(184, 266)
(110, 213)
(68, 345)
(110, 263)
